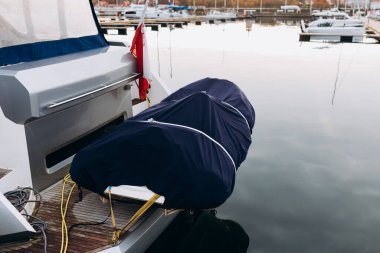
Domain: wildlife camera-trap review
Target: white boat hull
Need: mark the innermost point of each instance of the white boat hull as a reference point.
(343, 31)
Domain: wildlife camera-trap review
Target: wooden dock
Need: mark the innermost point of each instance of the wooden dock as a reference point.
(281, 15)
(348, 38)
(337, 37)
(121, 25)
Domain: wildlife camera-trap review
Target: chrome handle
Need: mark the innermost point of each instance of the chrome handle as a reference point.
(56, 104)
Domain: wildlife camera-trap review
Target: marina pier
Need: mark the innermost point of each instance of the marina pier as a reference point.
(121, 24)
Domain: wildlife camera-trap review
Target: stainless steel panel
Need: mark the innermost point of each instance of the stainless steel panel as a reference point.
(55, 131)
(32, 90)
(89, 94)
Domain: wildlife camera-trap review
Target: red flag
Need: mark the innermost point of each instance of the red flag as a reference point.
(137, 49)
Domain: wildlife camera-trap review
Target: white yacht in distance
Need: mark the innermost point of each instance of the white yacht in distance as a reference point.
(336, 26)
(133, 11)
(333, 24)
(332, 13)
(335, 29)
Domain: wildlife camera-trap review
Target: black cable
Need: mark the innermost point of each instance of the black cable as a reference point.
(19, 198)
(40, 226)
(42, 229)
(88, 223)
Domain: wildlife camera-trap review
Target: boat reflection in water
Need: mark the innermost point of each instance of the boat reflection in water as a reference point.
(201, 231)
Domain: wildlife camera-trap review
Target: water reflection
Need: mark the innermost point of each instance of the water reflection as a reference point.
(322, 47)
(248, 25)
(311, 179)
(201, 231)
(269, 21)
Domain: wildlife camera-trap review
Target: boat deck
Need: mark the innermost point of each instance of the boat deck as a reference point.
(89, 238)
(3, 172)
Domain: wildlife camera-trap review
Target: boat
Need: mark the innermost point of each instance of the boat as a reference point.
(225, 14)
(215, 14)
(133, 11)
(109, 10)
(175, 7)
(181, 14)
(65, 89)
(374, 15)
(188, 152)
(290, 8)
(333, 25)
(63, 86)
(328, 14)
(155, 13)
(373, 21)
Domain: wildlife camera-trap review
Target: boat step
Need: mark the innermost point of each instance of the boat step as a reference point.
(3, 172)
(139, 105)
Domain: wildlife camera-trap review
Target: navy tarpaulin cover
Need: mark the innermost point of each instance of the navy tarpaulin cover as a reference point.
(223, 90)
(187, 148)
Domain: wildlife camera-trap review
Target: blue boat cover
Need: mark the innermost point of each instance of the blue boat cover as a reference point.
(223, 90)
(40, 29)
(186, 149)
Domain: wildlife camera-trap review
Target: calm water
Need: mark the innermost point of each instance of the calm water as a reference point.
(311, 180)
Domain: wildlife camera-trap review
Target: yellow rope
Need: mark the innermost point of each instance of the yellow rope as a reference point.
(115, 235)
(148, 100)
(140, 212)
(64, 231)
(118, 232)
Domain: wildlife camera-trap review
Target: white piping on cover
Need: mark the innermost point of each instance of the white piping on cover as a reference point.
(246, 121)
(192, 129)
(239, 112)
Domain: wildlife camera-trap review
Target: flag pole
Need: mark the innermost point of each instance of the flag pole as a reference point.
(137, 49)
(143, 12)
